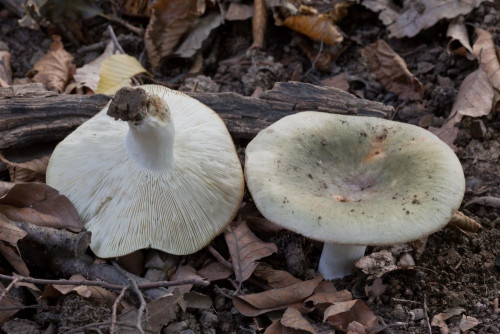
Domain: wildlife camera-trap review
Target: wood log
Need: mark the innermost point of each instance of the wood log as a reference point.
(29, 115)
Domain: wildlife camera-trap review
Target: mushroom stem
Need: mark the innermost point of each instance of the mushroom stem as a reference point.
(337, 259)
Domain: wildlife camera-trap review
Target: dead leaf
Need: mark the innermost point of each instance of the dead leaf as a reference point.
(464, 223)
(274, 328)
(135, 7)
(484, 50)
(475, 96)
(439, 320)
(5, 187)
(197, 300)
(5, 71)
(318, 27)
(198, 34)
(292, 318)
(14, 258)
(259, 23)
(388, 11)
(245, 249)
(448, 132)
(10, 233)
(377, 264)
(185, 272)
(9, 306)
(319, 298)
(170, 20)
(55, 69)
(459, 39)
(341, 314)
(390, 69)
(238, 12)
(467, 323)
(274, 278)
(116, 72)
(28, 171)
(215, 271)
(39, 204)
(159, 312)
(88, 74)
(254, 304)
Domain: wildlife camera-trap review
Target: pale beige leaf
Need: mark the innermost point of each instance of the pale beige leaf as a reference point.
(390, 69)
(245, 249)
(341, 314)
(238, 12)
(199, 33)
(475, 96)
(28, 171)
(88, 74)
(5, 71)
(116, 72)
(459, 39)
(293, 319)
(467, 323)
(10, 233)
(56, 68)
(484, 50)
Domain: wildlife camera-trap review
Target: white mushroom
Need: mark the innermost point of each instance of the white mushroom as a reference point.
(352, 181)
(165, 176)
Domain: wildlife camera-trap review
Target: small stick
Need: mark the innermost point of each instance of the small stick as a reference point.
(9, 287)
(114, 309)
(219, 258)
(115, 40)
(134, 29)
(427, 315)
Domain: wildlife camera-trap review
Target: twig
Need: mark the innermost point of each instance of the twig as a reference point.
(95, 325)
(219, 258)
(115, 308)
(313, 65)
(114, 39)
(405, 301)
(9, 287)
(134, 29)
(427, 315)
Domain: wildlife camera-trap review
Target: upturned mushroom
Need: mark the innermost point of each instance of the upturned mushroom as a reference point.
(154, 169)
(352, 181)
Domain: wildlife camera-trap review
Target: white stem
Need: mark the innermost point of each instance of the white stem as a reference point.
(150, 143)
(337, 260)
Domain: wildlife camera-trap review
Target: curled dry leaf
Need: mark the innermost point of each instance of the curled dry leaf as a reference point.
(390, 69)
(484, 50)
(245, 249)
(28, 171)
(39, 204)
(341, 314)
(259, 23)
(475, 96)
(88, 74)
(439, 320)
(274, 278)
(318, 27)
(12, 255)
(275, 299)
(464, 223)
(467, 323)
(170, 20)
(293, 319)
(459, 39)
(56, 68)
(5, 71)
(214, 271)
(116, 72)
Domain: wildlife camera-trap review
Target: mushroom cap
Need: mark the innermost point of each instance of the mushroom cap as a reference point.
(128, 207)
(353, 180)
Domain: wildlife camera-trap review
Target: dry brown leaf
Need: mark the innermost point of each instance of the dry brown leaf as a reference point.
(318, 27)
(238, 12)
(459, 39)
(467, 323)
(338, 81)
(439, 320)
(9, 306)
(28, 171)
(5, 71)
(341, 314)
(88, 74)
(245, 249)
(262, 225)
(390, 69)
(328, 298)
(14, 258)
(185, 272)
(274, 328)
(464, 223)
(39, 204)
(215, 271)
(170, 20)
(258, 303)
(10, 233)
(356, 328)
(197, 300)
(475, 96)
(448, 132)
(259, 23)
(5, 187)
(424, 14)
(377, 264)
(292, 318)
(274, 278)
(484, 50)
(56, 68)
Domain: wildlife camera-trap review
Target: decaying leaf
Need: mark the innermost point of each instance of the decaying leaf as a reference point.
(448, 132)
(159, 312)
(245, 249)
(9, 306)
(439, 320)
(274, 278)
(463, 222)
(475, 96)
(390, 69)
(484, 50)
(459, 39)
(5, 71)
(215, 271)
(292, 318)
(28, 171)
(259, 23)
(318, 27)
(185, 272)
(327, 298)
(200, 31)
(12, 255)
(238, 12)
(388, 11)
(55, 69)
(338, 81)
(467, 323)
(39, 204)
(88, 74)
(116, 72)
(341, 314)
(170, 20)
(197, 300)
(377, 264)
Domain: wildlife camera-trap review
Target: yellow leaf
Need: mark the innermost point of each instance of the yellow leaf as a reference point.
(116, 72)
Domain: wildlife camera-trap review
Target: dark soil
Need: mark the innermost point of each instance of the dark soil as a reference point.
(456, 269)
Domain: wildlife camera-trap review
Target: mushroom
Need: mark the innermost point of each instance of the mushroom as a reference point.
(352, 181)
(153, 169)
